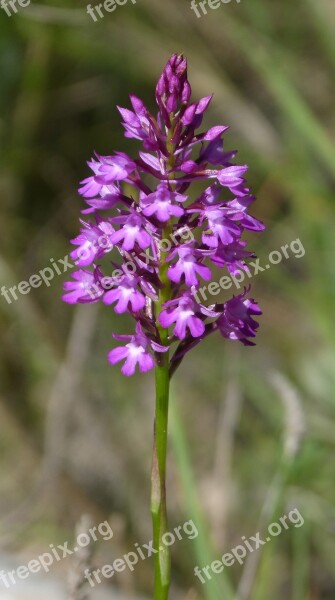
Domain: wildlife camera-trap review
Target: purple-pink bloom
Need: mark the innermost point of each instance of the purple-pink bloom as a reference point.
(85, 288)
(132, 232)
(188, 268)
(94, 241)
(140, 124)
(182, 313)
(215, 154)
(107, 170)
(167, 231)
(193, 114)
(232, 177)
(236, 322)
(135, 352)
(221, 229)
(126, 294)
(237, 210)
(233, 256)
(162, 204)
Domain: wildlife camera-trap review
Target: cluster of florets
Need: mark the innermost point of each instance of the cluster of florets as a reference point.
(167, 240)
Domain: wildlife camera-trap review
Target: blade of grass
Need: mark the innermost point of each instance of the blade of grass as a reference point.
(293, 432)
(301, 563)
(219, 587)
(324, 28)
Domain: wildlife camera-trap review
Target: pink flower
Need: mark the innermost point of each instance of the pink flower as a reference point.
(126, 295)
(161, 204)
(182, 312)
(84, 288)
(188, 267)
(131, 232)
(135, 352)
(107, 170)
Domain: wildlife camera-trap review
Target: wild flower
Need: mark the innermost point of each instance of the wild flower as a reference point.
(158, 294)
(147, 227)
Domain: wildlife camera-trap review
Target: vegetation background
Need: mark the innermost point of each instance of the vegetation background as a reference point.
(252, 430)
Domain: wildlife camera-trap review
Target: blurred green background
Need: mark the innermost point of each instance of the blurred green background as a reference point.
(252, 430)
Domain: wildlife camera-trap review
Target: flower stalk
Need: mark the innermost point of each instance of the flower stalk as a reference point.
(170, 237)
(162, 561)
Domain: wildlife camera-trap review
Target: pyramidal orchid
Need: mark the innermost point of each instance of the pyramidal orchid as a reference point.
(168, 240)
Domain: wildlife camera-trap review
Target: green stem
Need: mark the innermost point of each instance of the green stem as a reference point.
(162, 559)
(158, 492)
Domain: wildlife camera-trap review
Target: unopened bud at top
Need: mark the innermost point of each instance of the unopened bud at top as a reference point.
(173, 88)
